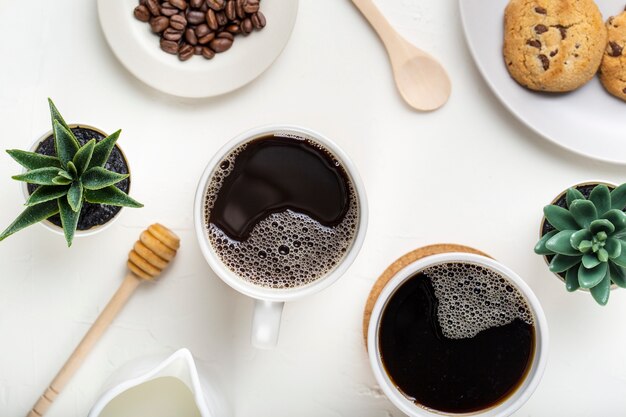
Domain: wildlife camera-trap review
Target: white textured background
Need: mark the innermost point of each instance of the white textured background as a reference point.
(469, 173)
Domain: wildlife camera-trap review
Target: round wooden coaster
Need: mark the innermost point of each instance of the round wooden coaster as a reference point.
(399, 264)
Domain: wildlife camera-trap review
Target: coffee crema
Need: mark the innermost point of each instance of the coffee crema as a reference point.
(457, 338)
(281, 211)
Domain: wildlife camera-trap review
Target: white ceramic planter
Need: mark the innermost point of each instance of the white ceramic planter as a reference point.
(79, 233)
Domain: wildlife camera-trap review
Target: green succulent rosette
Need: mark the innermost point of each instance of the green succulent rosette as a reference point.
(75, 175)
(588, 243)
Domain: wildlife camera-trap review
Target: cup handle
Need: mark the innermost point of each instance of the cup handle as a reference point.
(266, 323)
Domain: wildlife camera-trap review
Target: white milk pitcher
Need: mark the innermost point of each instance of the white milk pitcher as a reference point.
(157, 387)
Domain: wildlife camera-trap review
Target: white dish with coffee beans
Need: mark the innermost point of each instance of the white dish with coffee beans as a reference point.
(139, 49)
(587, 121)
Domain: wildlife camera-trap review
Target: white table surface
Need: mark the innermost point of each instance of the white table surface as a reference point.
(469, 173)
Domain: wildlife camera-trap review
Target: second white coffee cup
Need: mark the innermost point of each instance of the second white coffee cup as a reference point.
(503, 408)
(269, 302)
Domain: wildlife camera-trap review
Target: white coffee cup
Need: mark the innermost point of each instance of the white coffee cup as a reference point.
(269, 302)
(515, 400)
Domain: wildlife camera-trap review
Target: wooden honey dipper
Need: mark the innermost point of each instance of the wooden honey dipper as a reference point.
(154, 250)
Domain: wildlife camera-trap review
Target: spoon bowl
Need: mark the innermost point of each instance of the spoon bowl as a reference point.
(422, 82)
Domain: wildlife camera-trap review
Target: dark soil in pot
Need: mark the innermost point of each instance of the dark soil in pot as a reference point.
(91, 215)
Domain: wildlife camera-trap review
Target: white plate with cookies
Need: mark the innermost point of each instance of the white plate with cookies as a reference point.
(138, 49)
(588, 120)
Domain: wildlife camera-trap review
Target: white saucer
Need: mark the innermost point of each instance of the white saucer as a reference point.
(138, 50)
(588, 121)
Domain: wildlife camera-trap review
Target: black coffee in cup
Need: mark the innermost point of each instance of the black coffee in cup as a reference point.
(281, 211)
(457, 338)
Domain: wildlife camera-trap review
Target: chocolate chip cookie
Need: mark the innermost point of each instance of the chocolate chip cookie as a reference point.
(553, 45)
(613, 68)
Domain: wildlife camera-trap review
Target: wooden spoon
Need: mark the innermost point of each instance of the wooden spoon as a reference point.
(420, 78)
(153, 251)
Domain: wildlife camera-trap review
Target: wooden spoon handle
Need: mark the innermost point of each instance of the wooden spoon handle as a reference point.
(373, 15)
(103, 321)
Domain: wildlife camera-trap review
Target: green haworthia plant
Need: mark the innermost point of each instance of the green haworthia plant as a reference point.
(588, 244)
(75, 175)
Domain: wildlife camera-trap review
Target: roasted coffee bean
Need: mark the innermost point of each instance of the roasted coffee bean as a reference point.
(239, 9)
(185, 51)
(216, 5)
(262, 21)
(168, 10)
(172, 34)
(179, 4)
(246, 26)
(159, 23)
(204, 7)
(197, 50)
(195, 17)
(142, 13)
(230, 11)
(190, 36)
(226, 35)
(233, 28)
(202, 30)
(211, 20)
(221, 44)
(534, 43)
(170, 47)
(255, 21)
(545, 62)
(196, 4)
(154, 8)
(206, 38)
(616, 49)
(539, 29)
(222, 20)
(178, 22)
(540, 10)
(207, 53)
(251, 6)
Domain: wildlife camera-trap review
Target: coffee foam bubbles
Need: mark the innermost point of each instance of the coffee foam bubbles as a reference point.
(473, 298)
(286, 249)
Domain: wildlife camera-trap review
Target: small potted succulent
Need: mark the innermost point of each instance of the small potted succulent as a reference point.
(76, 179)
(583, 238)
